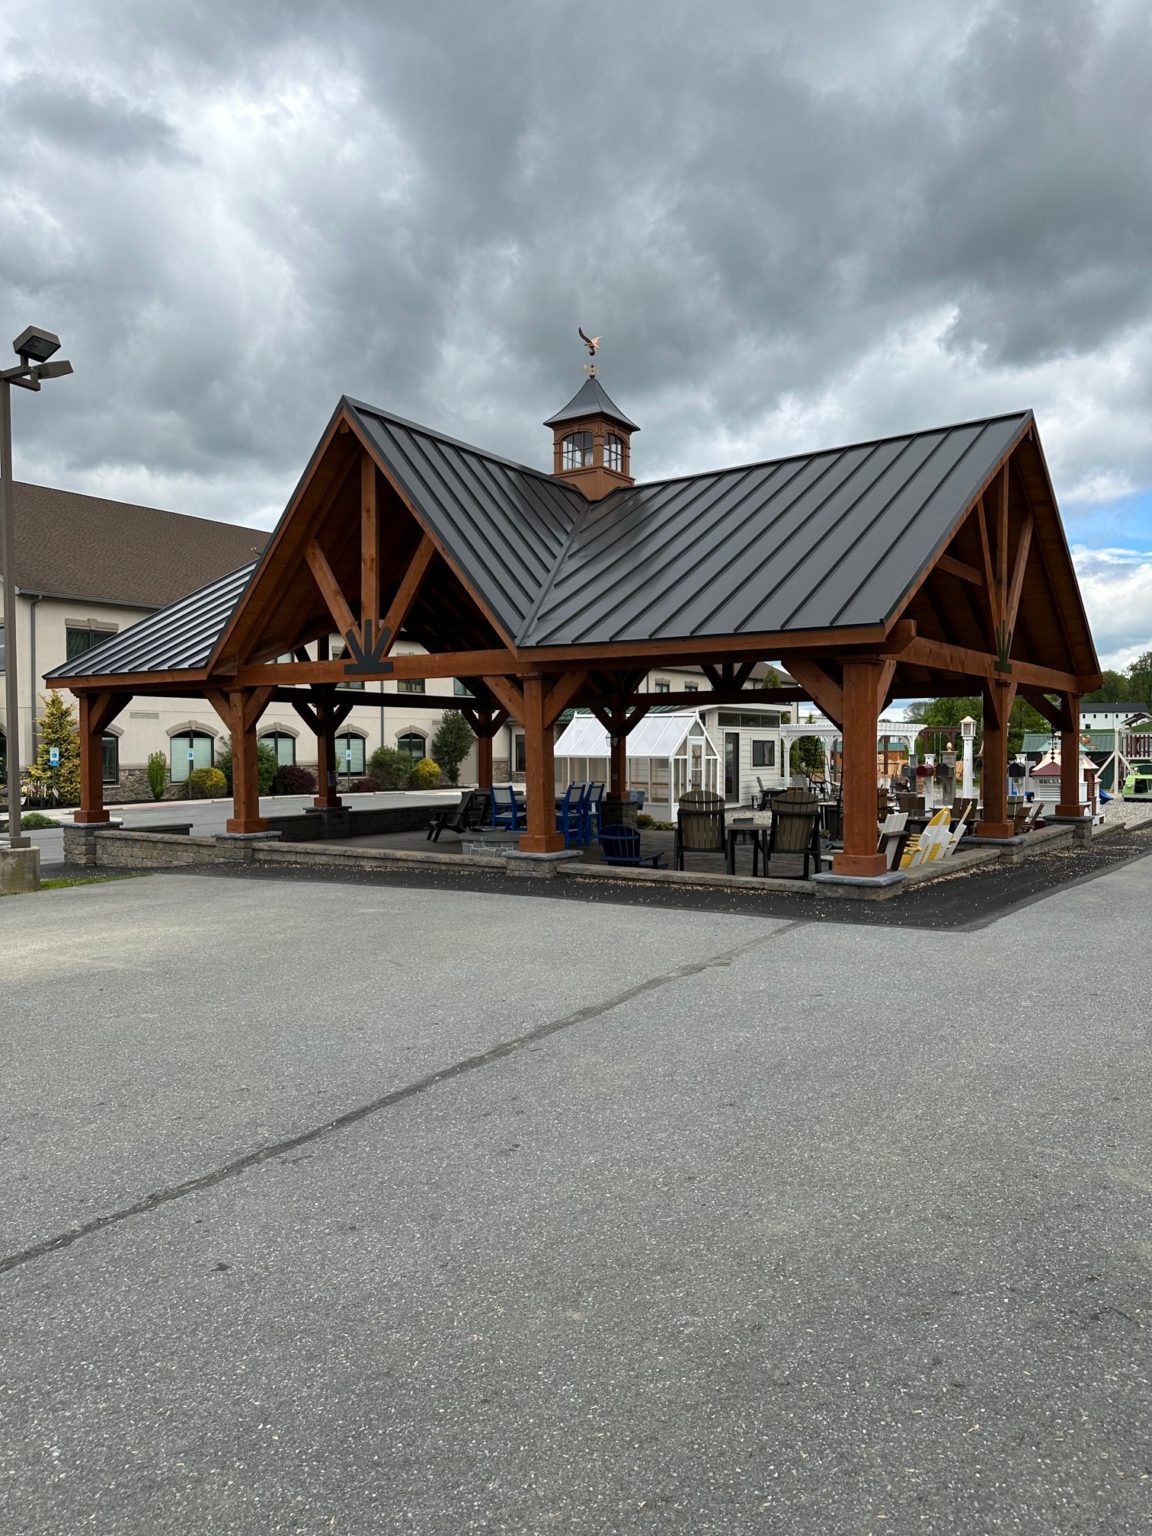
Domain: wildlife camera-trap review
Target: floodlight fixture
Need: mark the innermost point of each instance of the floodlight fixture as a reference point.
(34, 343)
(52, 370)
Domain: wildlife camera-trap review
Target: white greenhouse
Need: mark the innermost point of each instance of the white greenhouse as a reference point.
(668, 754)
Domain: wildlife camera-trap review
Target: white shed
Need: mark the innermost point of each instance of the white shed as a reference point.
(668, 754)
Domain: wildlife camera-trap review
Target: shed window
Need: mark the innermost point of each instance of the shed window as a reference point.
(763, 754)
(576, 450)
(191, 749)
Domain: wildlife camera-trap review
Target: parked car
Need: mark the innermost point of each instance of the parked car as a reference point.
(1138, 784)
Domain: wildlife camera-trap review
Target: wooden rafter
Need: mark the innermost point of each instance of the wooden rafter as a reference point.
(369, 540)
(408, 588)
(342, 615)
(821, 688)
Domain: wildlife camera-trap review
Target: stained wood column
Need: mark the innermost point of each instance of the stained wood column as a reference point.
(245, 778)
(327, 797)
(998, 698)
(1071, 784)
(618, 767)
(97, 711)
(484, 723)
(861, 688)
(541, 835)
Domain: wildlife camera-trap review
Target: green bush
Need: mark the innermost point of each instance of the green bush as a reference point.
(425, 774)
(208, 784)
(32, 821)
(266, 765)
(451, 744)
(391, 769)
(157, 774)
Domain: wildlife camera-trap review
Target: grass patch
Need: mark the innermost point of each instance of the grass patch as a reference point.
(63, 883)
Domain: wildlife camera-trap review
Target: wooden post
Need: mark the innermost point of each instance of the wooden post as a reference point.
(483, 762)
(97, 712)
(245, 779)
(861, 687)
(998, 697)
(541, 835)
(618, 761)
(1071, 784)
(327, 796)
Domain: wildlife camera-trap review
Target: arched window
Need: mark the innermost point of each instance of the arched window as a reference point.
(191, 749)
(283, 745)
(413, 743)
(576, 450)
(613, 452)
(350, 753)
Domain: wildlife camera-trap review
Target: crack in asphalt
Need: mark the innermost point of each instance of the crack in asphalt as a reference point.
(352, 1117)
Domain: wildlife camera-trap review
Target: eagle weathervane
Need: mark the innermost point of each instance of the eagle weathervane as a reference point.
(591, 342)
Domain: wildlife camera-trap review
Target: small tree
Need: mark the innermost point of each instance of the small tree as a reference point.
(266, 765)
(157, 774)
(390, 768)
(57, 728)
(451, 744)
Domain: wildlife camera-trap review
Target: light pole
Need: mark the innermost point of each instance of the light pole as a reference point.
(33, 347)
(968, 736)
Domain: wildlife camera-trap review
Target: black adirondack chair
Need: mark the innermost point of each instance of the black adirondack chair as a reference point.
(471, 812)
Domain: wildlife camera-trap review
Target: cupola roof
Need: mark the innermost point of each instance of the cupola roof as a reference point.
(591, 400)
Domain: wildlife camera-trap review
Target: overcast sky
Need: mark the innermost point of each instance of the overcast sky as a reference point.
(797, 223)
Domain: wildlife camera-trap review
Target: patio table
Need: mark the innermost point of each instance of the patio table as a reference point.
(741, 828)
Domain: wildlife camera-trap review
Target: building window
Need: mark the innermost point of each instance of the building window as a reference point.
(350, 754)
(78, 640)
(519, 754)
(691, 687)
(763, 754)
(751, 719)
(461, 690)
(613, 452)
(663, 685)
(413, 743)
(191, 749)
(283, 745)
(576, 450)
(411, 685)
(110, 746)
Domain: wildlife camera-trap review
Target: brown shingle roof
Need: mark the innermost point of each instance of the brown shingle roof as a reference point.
(69, 545)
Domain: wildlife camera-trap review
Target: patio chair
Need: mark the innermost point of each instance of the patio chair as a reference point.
(928, 846)
(621, 845)
(471, 812)
(699, 824)
(590, 810)
(962, 809)
(569, 815)
(795, 829)
(913, 804)
(507, 812)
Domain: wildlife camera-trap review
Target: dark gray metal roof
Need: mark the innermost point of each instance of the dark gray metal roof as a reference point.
(177, 637)
(592, 399)
(504, 524)
(818, 541)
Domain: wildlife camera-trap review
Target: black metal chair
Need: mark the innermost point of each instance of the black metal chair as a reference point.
(699, 825)
(471, 812)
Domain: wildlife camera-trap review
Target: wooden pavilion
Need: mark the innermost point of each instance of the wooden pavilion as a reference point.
(914, 566)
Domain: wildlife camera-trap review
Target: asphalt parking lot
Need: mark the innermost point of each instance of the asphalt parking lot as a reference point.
(337, 1207)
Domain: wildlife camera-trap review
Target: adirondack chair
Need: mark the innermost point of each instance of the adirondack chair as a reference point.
(927, 848)
(590, 810)
(471, 812)
(699, 824)
(913, 804)
(795, 829)
(959, 829)
(892, 838)
(964, 808)
(621, 845)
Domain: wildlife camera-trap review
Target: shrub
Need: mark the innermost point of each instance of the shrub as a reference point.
(425, 774)
(157, 774)
(266, 765)
(293, 780)
(32, 821)
(451, 744)
(644, 820)
(367, 787)
(390, 768)
(208, 784)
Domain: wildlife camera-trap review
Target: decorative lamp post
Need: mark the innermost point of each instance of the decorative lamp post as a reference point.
(33, 347)
(968, 736)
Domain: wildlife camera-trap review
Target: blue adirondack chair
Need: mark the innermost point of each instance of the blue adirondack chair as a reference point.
(621, 845)
(569, 816)
(590, 810)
